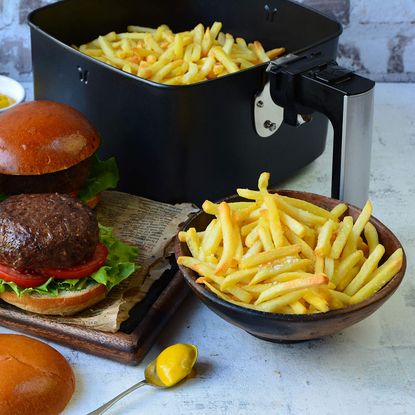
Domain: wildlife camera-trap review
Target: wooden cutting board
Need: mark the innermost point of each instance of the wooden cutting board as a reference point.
(135, 337)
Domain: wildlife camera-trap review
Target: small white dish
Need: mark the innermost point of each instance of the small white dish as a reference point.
(12, 89)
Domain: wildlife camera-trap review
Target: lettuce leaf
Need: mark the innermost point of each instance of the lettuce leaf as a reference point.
(118, 266)
(103, 175)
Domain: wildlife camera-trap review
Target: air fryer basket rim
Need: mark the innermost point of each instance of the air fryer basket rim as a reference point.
(321, 41)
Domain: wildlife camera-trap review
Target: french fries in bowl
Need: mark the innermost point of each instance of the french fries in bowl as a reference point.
(287, 265)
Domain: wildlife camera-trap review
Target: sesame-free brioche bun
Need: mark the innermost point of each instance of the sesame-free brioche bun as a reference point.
(40, 137)
(35, 378)
(65, 303)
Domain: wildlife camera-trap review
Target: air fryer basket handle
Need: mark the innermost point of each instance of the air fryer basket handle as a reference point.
(308, 83)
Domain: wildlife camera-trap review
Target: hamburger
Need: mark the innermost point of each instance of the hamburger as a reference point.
(55, 258)
(49, 147)
(35, 378)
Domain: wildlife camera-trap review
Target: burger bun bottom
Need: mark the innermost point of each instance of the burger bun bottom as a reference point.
(65, 304)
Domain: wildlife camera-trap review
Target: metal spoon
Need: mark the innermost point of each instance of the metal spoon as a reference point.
(151, 378)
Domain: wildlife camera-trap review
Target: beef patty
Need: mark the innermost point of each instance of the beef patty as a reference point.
(63, 181)
(46, 231)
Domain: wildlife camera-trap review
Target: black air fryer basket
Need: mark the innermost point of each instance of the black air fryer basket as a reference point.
(177, 143)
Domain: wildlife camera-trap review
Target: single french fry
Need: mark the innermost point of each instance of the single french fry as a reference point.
(274, 220)
(342, 237)
(274, 53)
(298, 307)
(256, 248)
(192, 241)
(371, 236)
(228, 298)
(229, 241)
(250, 194)
(198, 33)
(178, 46)
(357, 229)
(260, 52)
(297, 227)
(248, 227)
(381, 277)
(229, 41)
(211, 238)
(224, 59)
(265, 235)
(329, 267)
(307, 206)
(319, 265)
(238, 276)
(285, 287)
(316, 300)
(252, 237)
(210, 208)
(141, 29)
(263, 181)
(202, 268)
(338, 210)
(182, 236)
(265, 257)
(272, 306)
(301, 215)
(215, 29)
(324, 237)
(367, 269)
(268, 272)
(344, 298)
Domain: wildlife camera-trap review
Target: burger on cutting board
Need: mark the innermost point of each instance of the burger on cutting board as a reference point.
(54, 256)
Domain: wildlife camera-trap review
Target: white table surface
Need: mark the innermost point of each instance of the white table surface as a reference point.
(367, 369)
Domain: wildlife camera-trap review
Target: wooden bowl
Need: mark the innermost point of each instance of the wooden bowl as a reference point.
(293, 327)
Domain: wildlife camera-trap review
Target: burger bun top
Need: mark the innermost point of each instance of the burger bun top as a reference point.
(40, 137)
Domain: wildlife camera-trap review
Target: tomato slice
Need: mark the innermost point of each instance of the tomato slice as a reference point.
(79, 271)
(22, 279)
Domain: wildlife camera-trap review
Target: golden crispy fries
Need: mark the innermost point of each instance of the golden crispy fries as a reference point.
(316, 300)
(324, 237)
(341, 238)
(357, 229)
(381, 277)
(288, 286)
(274, 220)
(274, 53)
(337, 211)
(345, 266)
(212, 238)
(229, 241)
(284, 255)
(367, 268)
(222, 53)
(268, 256)
(371, 236)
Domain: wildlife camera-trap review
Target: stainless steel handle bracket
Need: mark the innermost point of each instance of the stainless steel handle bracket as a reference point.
(302, 84)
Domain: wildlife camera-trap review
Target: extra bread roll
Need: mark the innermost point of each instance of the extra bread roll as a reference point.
(35, 379)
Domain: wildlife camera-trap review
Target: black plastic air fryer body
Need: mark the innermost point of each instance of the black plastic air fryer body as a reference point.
(177, 143)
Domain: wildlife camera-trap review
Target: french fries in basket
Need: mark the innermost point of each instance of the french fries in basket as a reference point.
(279, 254)
(178, 58)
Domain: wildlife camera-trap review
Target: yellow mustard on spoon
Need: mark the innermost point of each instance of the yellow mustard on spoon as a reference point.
(171, 366)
